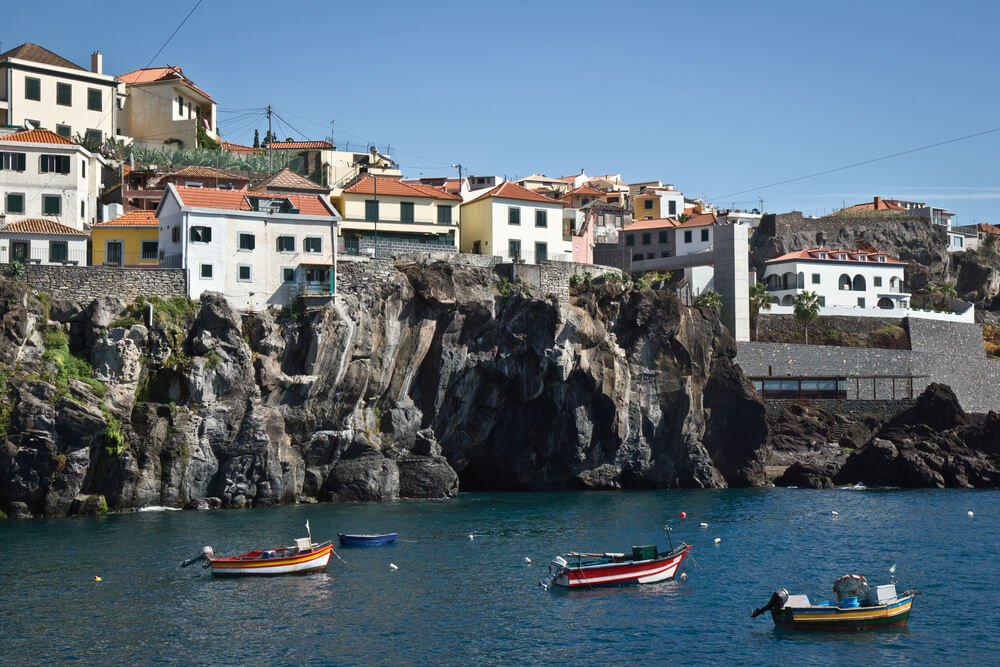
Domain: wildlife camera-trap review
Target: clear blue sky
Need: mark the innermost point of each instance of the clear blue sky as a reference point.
(714, 97)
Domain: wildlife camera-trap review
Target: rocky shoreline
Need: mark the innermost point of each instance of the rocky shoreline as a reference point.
(431, 382)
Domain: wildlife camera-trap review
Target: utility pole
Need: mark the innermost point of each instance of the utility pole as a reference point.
(375, 180)
(270, 140)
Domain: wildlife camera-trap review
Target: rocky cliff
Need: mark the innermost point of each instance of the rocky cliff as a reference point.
(427, 382)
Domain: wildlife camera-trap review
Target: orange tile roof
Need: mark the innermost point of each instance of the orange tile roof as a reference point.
(301, 145)
(40, 226)
(288, 180)
(236, 200)
(810, 254)
(987, 228)
(584, 190)
(509, 190)
(132, 219)
(656, 223)
(877, 204)
(38, 54)
(237, 148)
(156, 74)
(37, 137)
(699, 220)
(200, 171)
(371, 185)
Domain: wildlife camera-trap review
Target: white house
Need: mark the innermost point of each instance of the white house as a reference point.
(41, 241)
(843, 279)
(46, 90)
(258, 249)
(45, 175)
(514, 223)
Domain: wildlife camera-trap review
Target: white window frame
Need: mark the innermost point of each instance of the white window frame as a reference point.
(239, 241)
(305, 245)
(239, 270)
(211, 271)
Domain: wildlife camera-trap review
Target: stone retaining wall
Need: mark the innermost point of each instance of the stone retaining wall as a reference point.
(355, 275)
(881, 409)
(84, 283)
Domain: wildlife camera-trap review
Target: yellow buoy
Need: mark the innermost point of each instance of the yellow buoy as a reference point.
(98, 579)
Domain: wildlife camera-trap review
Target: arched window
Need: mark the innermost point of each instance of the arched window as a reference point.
(788, 281)
(894, 283)
(788, 300)
(886, 303)
(859, 283)
(844, 282)
(773, 282)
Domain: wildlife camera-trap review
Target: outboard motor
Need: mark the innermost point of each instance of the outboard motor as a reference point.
(556, 568)
(206, 554)
(777, 601)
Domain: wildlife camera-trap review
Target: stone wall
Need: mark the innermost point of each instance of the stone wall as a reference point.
(83, 283)
(355, 275)
(772, 327)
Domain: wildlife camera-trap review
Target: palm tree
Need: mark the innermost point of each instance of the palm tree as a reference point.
(806, 310)
(709, 299)
(938, 294)
(760, 299)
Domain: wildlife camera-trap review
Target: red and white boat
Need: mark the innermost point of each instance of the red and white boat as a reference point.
(303, 557)
(645, 565)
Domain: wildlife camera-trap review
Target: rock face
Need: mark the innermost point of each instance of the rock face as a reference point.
(429, 381)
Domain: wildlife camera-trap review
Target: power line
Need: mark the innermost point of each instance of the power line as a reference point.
(856, 164)
(181, 25)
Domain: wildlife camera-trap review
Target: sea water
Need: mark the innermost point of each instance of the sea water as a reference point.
(463, 591)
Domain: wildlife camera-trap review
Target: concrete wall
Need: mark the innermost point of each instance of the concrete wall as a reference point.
(84, 283)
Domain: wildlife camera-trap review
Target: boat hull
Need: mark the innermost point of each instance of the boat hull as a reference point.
(624, 572)
(348, 540)
(257, 565)
(853, 619)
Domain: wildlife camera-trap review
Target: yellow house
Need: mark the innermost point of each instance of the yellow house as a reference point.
(130, 240)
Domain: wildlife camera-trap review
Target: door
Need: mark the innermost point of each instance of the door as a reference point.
(113, 253)
(317, 280)
(19, 251)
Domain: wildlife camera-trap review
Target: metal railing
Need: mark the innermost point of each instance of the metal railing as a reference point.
(103, 257)
(43, 253)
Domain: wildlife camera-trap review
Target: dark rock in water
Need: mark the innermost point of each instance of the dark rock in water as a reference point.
(937, 408)
(808, 475)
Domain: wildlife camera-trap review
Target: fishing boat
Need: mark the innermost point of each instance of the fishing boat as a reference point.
(356, 540)
(303, 557)
(644, 565)
(857, 606)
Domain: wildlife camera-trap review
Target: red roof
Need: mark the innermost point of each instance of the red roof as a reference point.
(237, 148)
(40, 226)
(812, 254)
(656, 223)
(301, 145)
(509, 190)
(371, 185)
(156, 74)
(236, 200)
(132, 219)
(37, 137)
(877, 204)
(581, 191)
(699, 220)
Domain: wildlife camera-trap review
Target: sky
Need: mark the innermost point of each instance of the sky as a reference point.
(719, 98)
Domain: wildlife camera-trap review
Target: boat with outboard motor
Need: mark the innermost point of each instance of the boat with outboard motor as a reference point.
(857, 606)
(645, 565)
(303, 557)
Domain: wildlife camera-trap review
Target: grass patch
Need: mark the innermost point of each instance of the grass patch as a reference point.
(176, 311)
(67, 365)
(114, 437)
(5, 406)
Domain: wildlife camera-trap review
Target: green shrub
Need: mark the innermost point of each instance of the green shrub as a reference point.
(505, 288)
(3, 516)
(114, 437)
(16, 269)
(67, 365)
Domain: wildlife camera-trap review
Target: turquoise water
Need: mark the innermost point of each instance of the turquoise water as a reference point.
(458, 601)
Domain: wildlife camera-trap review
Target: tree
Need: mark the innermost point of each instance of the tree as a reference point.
(937, 295)
(760, 299)
(256, 138)
(683, 217)
(711, 300)
(806, 310)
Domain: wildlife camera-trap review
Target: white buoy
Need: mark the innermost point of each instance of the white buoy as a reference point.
(834, 513)
(471, 536)
(971, 514)
(718, 540)
(527, 560)
(684, 576)
(703, 524)
(393, 566)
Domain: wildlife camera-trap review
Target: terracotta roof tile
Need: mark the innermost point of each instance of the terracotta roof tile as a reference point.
(699, 220)
(581, 191)
(509, 190)
(238, 148)
(199, 171)
(156, 74)
(40, 226)
(37, 137)
(236, 200)
(300, 145)
(656, 223)
(287, 180)
(132, 219)
(38, 54)
(811, 254)
(371, 185)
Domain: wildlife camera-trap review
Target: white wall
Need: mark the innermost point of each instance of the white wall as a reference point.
(80, 184)
(526, 232)
(829, 273)
(840, 311)
(38, 248)
(50, 114)
(696, 245)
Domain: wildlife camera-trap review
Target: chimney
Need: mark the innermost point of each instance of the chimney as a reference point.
(97, 62)
(878, 202)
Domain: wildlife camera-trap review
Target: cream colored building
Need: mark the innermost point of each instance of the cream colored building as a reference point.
(46, 90)
(163, 107)
(514, 223)
(44, 175)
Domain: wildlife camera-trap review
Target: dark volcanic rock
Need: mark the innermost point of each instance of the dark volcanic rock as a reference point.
(809, 475)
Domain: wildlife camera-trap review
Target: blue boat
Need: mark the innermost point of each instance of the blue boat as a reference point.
(349, 540)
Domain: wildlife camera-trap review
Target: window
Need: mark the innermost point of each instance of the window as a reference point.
(312, 244)
(630, 239)
(53, 164)
(206, 271)
(58, 251)
(514, 249)
(687, 236)
(94, 136)
(180, 105)
(32, 88)
(541, 252)
(371, 210)
(861, 302)
(83, 168)
(541, 218)
(83, 208)
(637, 257)
(51, 205)
(662, 237)
(247, 241)
(647, 204)
(815, 279)
(647, 238)
(444, 215)
(64, 94)
(15, 202)
(13, 161)
(201, 235)
(406, 211)
(150, 249)
(877, 281)
(64, 131)
(513, 216)
(94, 102)
(286, 244)
(243, 273)
(671, 207)
(287, 274)
(704, 235)
(664, 254)
(175, 234)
